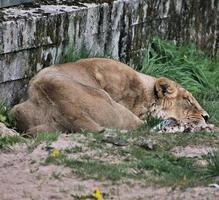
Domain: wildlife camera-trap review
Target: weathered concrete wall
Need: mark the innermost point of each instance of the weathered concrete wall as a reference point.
(7, 3)
(33, 38)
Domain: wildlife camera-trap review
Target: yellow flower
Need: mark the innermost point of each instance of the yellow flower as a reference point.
(55, 153)
(97, 194)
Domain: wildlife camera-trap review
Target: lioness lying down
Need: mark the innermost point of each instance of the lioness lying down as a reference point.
(99, 93)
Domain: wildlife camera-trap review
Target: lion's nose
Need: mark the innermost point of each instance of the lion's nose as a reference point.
(205, 116)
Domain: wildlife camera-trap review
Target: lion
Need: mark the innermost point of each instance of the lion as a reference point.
(98, 93)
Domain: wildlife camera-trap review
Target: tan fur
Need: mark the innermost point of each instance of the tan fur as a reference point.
(100, 93)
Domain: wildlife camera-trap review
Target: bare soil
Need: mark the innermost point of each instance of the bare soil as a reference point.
(24, 176)
(192, 151)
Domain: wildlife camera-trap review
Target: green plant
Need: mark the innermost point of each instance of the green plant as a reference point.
(4, 115)
(71, 54)
(186, 65)
(213, 163)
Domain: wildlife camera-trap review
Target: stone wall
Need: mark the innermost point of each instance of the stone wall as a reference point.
(35, 37)
(7, 3)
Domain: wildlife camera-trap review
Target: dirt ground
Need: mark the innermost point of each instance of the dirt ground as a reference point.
(24, 176)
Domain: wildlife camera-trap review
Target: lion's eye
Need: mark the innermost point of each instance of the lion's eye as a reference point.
(189, 102)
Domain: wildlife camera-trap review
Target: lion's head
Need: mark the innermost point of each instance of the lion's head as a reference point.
(173, 101)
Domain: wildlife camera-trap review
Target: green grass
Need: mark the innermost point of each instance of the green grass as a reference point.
(212, 107)
(213, 164)
(7, 141)
(39, 138)
(172, 170)
(186, 64)
(46, 137)
(89, 168)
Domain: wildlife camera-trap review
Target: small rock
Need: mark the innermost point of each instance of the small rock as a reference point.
(146, 144)
(110, 136)
(214, 185)
(5, 131)
(202, 163)
(115, 140)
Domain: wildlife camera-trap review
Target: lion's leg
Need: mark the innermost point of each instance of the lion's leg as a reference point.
(86, 123)
(25, 115)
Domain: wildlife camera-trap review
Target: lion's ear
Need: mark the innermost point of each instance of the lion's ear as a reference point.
(165, 88)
